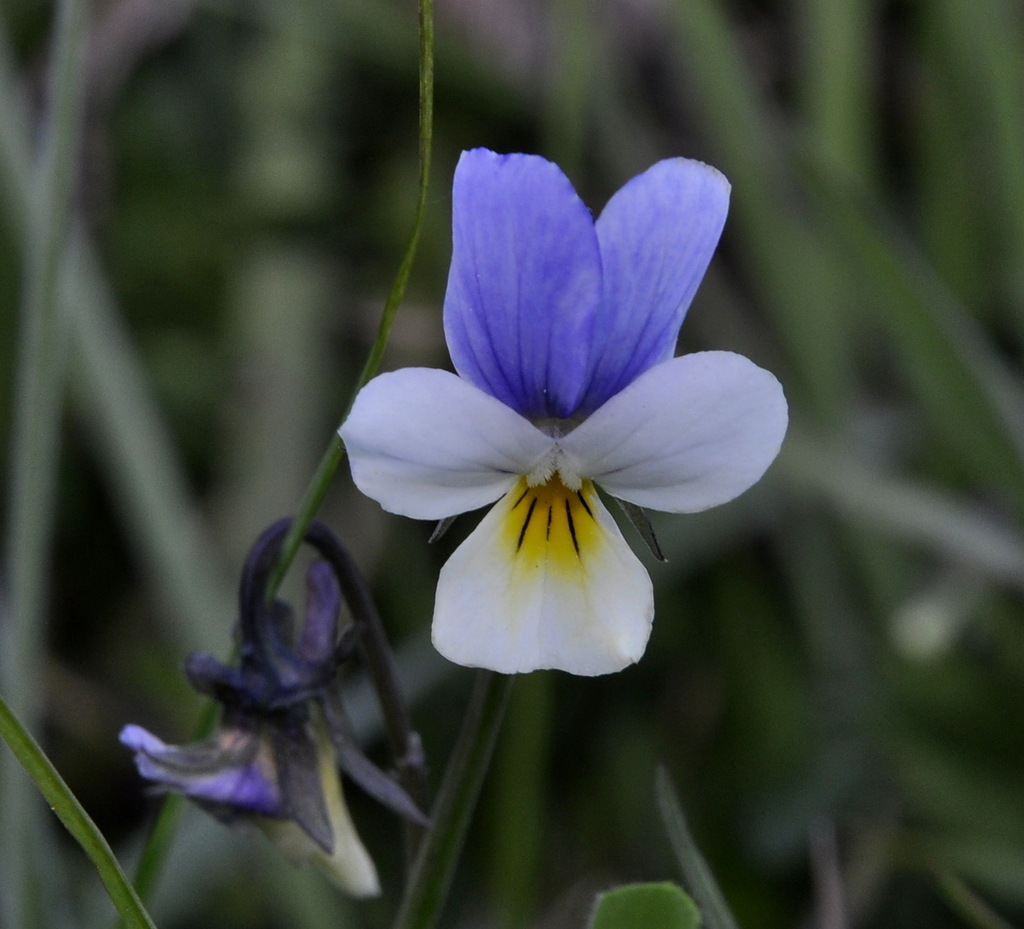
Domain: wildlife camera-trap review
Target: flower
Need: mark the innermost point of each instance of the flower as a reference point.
(288, 787)
(276, 756)
(562, 331)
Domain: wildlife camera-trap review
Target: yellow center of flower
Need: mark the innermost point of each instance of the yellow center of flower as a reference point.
(551, 524)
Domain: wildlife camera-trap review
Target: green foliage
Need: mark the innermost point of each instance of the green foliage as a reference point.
(645, 906)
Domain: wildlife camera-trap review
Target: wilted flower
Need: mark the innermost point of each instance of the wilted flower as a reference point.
(562, 331)
(288, 786)
(274, 759)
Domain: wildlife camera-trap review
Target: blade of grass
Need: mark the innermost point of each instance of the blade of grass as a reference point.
(64, 803)
(15, 156)
(800, 280)
(133, 445)
(565, 109)
(973, 402)
(697, 875)
(974, 911)
(40, 367)
(992, 109)
(905, 509)
(111, 389)
(836, 81)
(952, 215)
(35, 443)
(112, 395)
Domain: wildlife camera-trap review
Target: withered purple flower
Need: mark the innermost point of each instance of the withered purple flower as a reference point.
(274, 759)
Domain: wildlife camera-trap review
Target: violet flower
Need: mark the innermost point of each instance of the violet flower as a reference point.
(276, 758)
(562, 331)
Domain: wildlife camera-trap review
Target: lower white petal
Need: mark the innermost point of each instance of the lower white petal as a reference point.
(545, 581)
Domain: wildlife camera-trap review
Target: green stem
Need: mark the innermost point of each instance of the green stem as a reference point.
(432, 874)
(426, 117)
(308, 508)
(74, 817)
(158, 844)
(317, 489)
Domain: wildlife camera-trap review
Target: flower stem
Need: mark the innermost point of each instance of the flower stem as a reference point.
(308, 508)
(432, 874)
(426, 118)
(158, 844)
(74, 817)
(317, 489)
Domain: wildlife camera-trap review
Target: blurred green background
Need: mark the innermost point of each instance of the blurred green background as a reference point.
(836, 675)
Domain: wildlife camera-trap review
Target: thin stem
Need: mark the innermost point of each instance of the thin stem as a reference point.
(426, 115)
(431, 879)
(74, 817)
(317, 489)
(308, 508)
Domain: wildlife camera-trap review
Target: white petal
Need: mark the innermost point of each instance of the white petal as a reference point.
(533, 588)
(426, 443)
(686, 435)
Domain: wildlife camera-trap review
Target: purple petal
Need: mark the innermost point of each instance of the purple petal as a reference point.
(524, 285)
(229, 770)
(657, 236)
(323, 600)
(139, 740)
(244, 790)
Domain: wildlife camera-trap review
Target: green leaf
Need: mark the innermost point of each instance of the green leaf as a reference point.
(645, 906)
(75, 819)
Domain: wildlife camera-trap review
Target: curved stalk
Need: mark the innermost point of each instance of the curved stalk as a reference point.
(317, 489)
